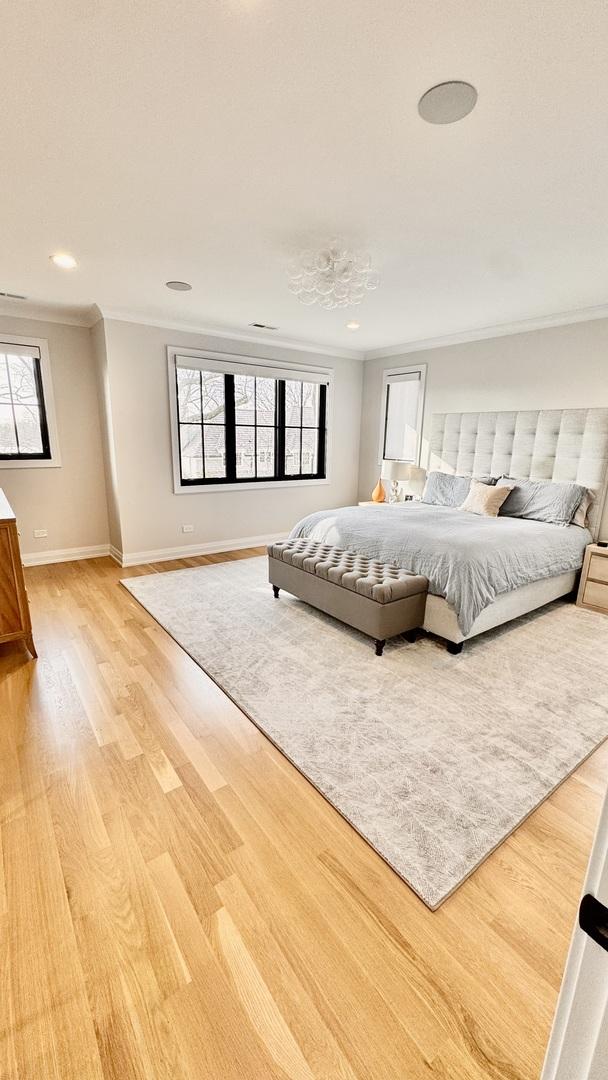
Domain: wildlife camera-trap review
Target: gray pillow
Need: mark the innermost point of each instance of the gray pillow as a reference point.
(444, 489)
(542, 500)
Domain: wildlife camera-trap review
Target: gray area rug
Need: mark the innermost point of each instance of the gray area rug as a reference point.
(433, 758)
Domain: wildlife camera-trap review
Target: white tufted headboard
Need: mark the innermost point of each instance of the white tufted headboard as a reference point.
(545, 444)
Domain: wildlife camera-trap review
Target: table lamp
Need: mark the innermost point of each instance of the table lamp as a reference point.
(413, 476)
(395, 471)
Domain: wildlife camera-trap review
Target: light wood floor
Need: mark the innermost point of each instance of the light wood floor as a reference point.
(176, 900)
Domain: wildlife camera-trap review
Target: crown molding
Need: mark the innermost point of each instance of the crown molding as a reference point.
(521, 326)
(91, 314)
(232, 335)
(43, 312)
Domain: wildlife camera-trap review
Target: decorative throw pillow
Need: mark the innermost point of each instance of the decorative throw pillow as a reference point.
(582, 510)
(552, 501)
(485, 499)
(445, 489)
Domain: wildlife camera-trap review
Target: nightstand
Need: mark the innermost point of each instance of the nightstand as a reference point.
(593, 589)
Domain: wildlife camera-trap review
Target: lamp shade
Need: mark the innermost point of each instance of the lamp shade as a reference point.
(416, 480)
(395, 470)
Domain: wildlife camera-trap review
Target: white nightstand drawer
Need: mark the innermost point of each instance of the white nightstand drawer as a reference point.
(598, 567)
(596, 594)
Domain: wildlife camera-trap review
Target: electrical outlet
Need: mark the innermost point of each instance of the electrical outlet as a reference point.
(39, 534)
(187, 528)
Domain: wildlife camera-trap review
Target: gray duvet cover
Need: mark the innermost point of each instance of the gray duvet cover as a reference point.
(468, 559)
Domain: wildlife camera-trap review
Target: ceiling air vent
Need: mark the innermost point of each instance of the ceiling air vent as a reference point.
(263, 326)
(12, 295)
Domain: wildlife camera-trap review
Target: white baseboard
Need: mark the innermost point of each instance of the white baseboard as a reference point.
(41, 558)
(213, 547)
(137, 558)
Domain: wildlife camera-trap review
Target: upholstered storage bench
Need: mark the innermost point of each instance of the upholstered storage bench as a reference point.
(378, 599)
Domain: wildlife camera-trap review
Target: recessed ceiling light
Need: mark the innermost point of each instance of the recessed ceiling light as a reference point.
(64, 260)
(178, 286)
(353, 325)
(447, 102)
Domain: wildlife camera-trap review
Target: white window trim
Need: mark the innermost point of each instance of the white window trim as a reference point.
(54, 462)
(386, 375)
(275, 369)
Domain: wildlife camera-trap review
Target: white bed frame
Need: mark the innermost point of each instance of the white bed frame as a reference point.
(548, 444)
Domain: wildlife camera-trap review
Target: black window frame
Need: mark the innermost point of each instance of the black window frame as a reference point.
(13, 348)
(230, 426)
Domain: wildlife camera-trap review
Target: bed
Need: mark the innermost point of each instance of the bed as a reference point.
(483, 571)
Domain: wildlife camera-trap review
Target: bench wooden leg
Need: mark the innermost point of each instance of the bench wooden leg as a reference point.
(275, 589)
(380, 646)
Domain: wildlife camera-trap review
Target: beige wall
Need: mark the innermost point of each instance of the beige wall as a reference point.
(561, 367)
(69, 501)
(151, 515)
(100, 355)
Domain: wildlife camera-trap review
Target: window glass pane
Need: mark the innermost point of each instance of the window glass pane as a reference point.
(27, 418)
(245, 452)
(8, 442)
(401, 417)
(23, 379)
(213, 398)
(265, 399)
(189, 394)
(192, 451)
(4, 386)
(244, 399)
(310, 442)
(215, 451)
(310, 404)
(293, 400)
(265, 451)
(292, 451)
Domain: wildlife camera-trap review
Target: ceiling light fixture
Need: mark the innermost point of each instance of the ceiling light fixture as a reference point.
(178, 286)
(447, 102)
(64, 260)
(353, 325)
(332, 277)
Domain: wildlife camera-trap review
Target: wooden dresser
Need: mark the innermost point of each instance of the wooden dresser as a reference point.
(593, 588)
(15, 621)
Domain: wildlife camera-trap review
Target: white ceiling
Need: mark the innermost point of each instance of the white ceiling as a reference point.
(205, 141)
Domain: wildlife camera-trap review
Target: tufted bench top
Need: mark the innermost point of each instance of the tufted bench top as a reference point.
(377, 580)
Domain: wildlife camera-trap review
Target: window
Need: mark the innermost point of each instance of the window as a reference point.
(244, 424)
(24, 428)
(402, 412)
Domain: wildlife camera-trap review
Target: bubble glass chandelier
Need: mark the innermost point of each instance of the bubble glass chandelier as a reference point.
(332, 277)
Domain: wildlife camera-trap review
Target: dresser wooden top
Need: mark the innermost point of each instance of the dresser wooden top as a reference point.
(6, 510)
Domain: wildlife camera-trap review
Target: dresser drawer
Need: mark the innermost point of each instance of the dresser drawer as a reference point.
(598, 568)
(596, 594)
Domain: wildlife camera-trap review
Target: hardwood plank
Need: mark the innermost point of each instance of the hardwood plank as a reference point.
(304, 1019)
(257, 1000)
(218, 1038)
(53, 1029)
